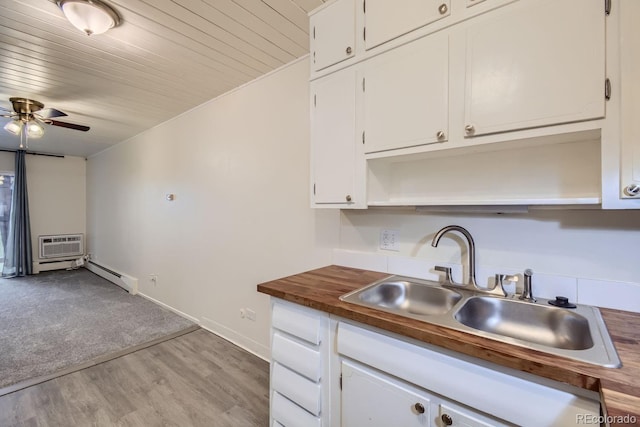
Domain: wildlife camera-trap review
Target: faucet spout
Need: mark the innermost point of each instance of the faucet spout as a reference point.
(471, 253)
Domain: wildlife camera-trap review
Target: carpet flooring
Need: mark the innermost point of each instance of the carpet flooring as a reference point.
(58, 319)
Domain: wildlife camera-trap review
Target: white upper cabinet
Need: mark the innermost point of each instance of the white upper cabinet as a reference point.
(535, 64)
(332, 34)
(630, 94)
(333, 146)
(386, 20)
(405, 95)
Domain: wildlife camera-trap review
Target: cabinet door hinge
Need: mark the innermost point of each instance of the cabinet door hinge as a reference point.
(314, 32)
(607, 7)
(363, 85)
(315, 100)
(363, 137)
(314, 188)
(364, 33)
(314, 56)
(340, 381)
(607, 89)
(364, 6)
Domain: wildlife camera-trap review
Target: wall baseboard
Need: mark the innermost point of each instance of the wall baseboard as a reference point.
(220, 330)
(233, 337)
(168, 307)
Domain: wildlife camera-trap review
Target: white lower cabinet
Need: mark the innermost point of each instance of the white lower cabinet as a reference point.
(373, 399)
(300, 382)
(326, 371)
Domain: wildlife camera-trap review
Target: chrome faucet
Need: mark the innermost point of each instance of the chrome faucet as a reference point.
(471, 253)
(471, 285)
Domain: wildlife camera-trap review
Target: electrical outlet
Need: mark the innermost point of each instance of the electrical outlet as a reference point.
(153, 278)
(389, 240)
(243, 313)
(251, 315)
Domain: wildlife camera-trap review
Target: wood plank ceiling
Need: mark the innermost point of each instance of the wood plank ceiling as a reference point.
(166, 57)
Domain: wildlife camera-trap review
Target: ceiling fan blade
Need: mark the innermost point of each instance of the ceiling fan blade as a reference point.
(6, 109)
(49, 113)
(67, 125)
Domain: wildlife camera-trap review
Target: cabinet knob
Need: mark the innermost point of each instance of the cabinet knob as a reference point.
(469, 129)
(348, 198)
(446, 419)
(419, 407)
(632, 190)
(348, 50)
(440, 134)
(443, 9)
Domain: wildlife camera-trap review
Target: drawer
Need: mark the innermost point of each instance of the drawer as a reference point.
(289, 414)
(300, 323)
(297, 357)
(297, 388)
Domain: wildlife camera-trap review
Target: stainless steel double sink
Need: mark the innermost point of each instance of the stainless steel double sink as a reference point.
(578, 333)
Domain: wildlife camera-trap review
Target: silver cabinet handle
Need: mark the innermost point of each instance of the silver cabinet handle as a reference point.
(469, 129)
(443, 9)
(348, 198)
(349, 50)
(440, 134)
(632, 190)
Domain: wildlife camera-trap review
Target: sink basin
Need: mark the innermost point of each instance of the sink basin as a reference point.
(545, 325)
(407, 297)
(578, 333)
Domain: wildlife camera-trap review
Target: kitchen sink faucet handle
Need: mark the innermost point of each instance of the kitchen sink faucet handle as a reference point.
(501, 278)
(447, 273)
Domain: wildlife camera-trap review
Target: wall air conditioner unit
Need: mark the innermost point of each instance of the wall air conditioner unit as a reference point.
(61, 245)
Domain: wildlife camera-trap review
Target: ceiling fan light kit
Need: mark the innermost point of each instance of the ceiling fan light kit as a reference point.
(13, 127)
(89, 16)
(34, 130)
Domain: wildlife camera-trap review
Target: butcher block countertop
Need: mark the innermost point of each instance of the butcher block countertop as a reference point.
(620, 388)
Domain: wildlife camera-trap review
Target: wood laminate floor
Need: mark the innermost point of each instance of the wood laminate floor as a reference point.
(197, 379)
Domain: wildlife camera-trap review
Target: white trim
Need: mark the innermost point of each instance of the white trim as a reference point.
(234, 337)
(168, 307)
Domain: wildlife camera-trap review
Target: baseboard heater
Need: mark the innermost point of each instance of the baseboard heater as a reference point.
(128, 283)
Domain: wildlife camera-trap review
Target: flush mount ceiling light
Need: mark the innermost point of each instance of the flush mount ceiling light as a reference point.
(89, 16)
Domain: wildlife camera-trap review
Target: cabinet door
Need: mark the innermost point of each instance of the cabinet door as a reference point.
(333, 149)
(453, 415)
(534, 64)
(406, 95)
(374, 400)
(386, 20)
(630, 96)
(333, 34)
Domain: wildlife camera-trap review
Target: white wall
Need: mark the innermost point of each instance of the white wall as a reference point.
(239, 169)
(586, 244)
(57, 194)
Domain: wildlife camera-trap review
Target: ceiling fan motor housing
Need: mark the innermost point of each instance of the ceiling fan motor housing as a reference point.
(26, 106)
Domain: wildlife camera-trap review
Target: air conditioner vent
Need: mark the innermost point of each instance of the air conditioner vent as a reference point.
(61, 245)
